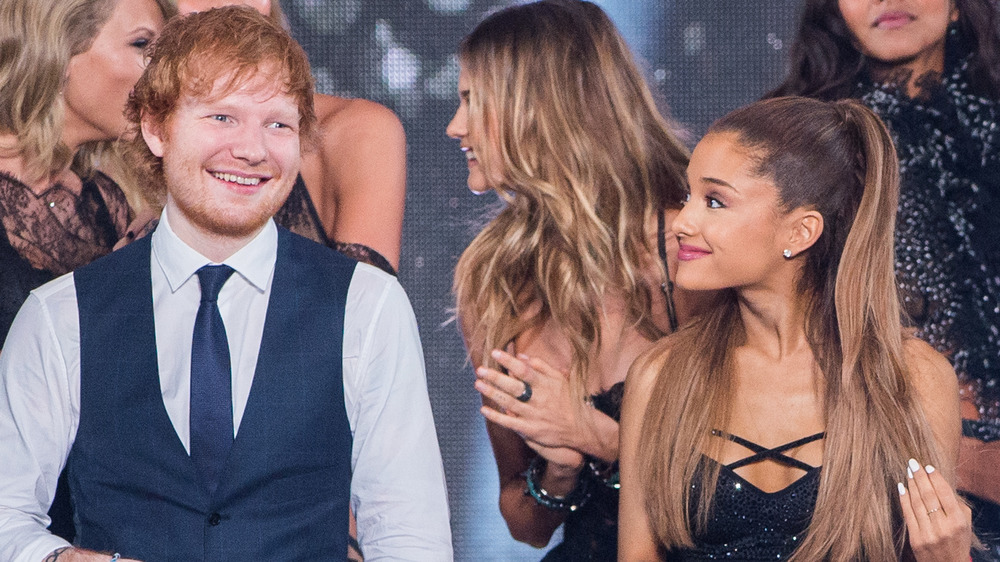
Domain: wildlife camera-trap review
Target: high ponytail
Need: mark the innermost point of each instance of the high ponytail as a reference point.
(838, 159)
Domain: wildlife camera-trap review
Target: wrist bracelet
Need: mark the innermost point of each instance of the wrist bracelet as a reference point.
(115, 557)
(605, 473)
(572, 501)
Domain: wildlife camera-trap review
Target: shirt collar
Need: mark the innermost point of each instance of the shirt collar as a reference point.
(179, 262)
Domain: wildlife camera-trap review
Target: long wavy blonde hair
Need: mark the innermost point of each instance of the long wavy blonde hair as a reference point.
(586, 160)
(37, 40)
(837, 158)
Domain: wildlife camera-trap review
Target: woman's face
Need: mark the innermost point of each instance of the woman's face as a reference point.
(188, 6)
(729, 230)
(901, 32)
(99, 79)
(473, 141)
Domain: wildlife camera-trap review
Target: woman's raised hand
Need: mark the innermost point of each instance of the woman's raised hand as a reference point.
(535, 401)
(938, 524)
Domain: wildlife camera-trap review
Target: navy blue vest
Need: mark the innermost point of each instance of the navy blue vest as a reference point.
(284, 491)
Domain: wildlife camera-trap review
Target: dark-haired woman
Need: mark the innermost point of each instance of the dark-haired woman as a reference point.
(931, 70)
(796, 419)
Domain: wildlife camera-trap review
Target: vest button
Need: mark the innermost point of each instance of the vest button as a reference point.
(214, 519)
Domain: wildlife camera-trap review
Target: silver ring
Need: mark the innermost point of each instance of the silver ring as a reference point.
(526, 395)
(934, 510)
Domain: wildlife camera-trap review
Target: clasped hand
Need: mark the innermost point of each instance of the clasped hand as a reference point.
(549, 421)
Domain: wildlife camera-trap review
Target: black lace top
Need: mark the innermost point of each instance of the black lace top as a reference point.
(948, 227)
(747, 523)
(591, 532)
(298, 214)
(44, 236)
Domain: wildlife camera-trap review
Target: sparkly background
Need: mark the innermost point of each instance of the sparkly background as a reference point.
(704, 57)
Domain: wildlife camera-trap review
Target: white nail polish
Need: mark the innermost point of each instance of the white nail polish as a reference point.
(928, 469)
(901, 488)
(909, 473)
(914, 465)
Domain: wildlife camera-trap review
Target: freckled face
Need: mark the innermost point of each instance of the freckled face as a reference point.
(909, 32)
(728, 230)
(229, 160)
(473, 143)
(99, 80)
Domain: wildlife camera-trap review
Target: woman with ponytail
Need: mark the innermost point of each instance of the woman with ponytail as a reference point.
(796, 419)
(555, 117)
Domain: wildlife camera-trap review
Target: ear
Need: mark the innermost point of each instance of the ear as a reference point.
(806, 228)
(954, 11)
(152, 133)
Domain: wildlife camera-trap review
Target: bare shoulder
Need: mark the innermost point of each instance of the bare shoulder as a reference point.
(931, 372)
(355, 116)
(646, 369)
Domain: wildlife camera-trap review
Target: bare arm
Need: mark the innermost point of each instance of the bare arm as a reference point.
(636, 541)
(527, 521)
(938, 524)
(357, 176)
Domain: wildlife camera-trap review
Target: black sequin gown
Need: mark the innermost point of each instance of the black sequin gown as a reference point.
(591, 532)
(948, 232)
(747, 523)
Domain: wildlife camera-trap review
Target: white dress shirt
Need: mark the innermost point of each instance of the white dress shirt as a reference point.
(397, 490)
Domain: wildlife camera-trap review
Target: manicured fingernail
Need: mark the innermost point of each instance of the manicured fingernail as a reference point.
(496, 354)
(928, 469)
(909, 473)
(914, 465)
(901, 488)
(481, 371)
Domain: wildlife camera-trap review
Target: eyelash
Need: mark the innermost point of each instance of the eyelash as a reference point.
(140, 43)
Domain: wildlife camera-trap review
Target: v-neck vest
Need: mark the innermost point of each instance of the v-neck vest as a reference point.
(284, 490)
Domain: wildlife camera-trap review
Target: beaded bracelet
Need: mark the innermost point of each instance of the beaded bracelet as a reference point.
(572, 501)
(606, 473)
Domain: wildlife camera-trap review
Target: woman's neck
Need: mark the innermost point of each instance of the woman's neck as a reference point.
(914, 77)
(14, 164)
(774, 321)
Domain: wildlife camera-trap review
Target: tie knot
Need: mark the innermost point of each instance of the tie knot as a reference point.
(212, 278)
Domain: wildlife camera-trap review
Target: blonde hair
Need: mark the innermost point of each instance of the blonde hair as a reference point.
(39, 39)
(586, 161)
(838, 159)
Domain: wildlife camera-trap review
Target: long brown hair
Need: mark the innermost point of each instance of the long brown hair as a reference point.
(836, 158)
(587, 161)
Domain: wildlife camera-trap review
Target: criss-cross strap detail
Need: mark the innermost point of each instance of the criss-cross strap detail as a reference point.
(762, 453)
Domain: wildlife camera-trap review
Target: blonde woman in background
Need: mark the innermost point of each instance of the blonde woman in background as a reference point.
(66, 69)
(796, 419)
(569, 283)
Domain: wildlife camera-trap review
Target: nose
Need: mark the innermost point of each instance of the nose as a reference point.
(249, 144)
(457, 127)
(683, 224)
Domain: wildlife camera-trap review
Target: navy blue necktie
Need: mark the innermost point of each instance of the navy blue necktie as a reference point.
(211, 380)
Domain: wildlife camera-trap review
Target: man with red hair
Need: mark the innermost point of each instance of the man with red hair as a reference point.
(221, 389)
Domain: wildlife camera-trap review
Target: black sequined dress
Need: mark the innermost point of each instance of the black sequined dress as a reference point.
(591, 532)
(948, 234)
(948, 227)
(747, 523)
